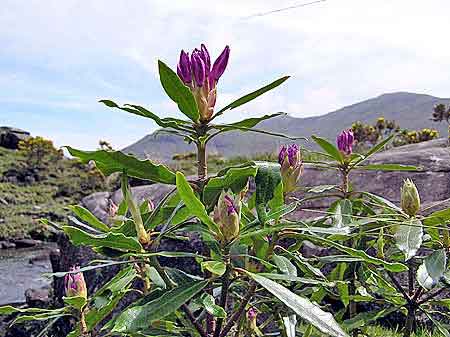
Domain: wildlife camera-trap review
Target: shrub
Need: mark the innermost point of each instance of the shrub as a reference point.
(254, 279)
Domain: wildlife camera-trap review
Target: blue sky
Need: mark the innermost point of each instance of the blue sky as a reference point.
(58, 58)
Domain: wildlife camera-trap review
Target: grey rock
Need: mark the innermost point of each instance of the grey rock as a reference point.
(26, 243)
(7, 245)
(38, 297)
(10, 137)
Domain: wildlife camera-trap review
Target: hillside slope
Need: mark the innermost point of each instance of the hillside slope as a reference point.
(412, 111)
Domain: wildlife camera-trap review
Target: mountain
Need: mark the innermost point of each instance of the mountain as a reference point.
(409, 110)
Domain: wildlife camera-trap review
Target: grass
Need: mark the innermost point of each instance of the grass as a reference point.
(62, 182)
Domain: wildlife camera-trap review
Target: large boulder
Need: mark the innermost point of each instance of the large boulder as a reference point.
(10, 137)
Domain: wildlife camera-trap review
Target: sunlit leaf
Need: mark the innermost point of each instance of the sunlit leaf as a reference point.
(109, 162)
(178, 92)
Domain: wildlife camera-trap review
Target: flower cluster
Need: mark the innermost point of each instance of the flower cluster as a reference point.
(345, 142)
(196, 72)
(291, 163)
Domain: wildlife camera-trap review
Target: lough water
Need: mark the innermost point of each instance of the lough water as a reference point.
(17, 274)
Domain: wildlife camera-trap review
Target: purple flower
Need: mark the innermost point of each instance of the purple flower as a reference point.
(205, 57)
(291, 163)
(282, 154)
(184, 68)
(220, 65)
(74, 283)
(197, 73)
(344, 142)
(198, 68)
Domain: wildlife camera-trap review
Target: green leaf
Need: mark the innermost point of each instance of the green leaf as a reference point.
(8, 310)
(211, 307)
(249, 122)
(284, 265)
(109, 162)
(329, 148)
(383, 202)
(437, 218)
(85, 215)
(387, 167)
(432, 269)
(234, 178)
(226, 127)
(191, 201)
(178, 92)
(108, 296)
(77, 302)
(408, 237)
(290, 278)
(321, 188)
(374, 149)
(310, 312)
(137, 318)
(267, 179)
(394, 267)
(216, 267)
(438, 324)
(141, 111)
(111, 240)
(252, 95)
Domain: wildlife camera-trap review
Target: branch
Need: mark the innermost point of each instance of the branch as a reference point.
(223, 295)
(400, 288)
(233, 319)
(431, 296)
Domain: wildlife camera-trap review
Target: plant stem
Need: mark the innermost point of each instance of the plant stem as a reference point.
(184, 307)
(410, 321)
(224, 290)
(237, 315)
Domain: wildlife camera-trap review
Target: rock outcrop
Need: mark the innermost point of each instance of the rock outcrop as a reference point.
(10, 137)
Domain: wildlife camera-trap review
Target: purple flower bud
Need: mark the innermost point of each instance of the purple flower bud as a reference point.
(291, 163)
(293, 153)
(74, 283)
(345, 141)
(229, 202)
(205, 57)
(198, 68)
(282, 154)
(220, 65)
(184, 68)
(227, 214)
(251, 313)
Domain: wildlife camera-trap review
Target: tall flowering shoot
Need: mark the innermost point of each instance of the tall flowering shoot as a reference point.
(291, 163)
(196, 72)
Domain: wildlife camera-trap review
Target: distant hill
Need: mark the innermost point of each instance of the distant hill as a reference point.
(410, 110)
